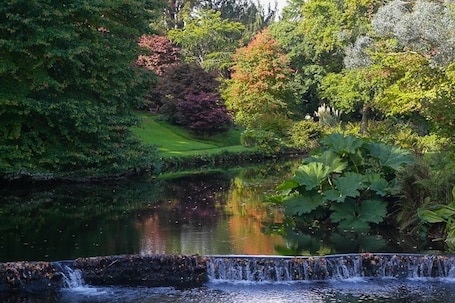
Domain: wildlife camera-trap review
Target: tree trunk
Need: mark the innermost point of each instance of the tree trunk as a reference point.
(364, 123)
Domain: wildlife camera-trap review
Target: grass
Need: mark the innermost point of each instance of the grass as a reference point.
(174, 141)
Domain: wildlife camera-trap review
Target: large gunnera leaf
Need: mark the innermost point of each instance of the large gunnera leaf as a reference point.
(331, 160)
(311, 175)
(342, 144)
(350, 215)
(299, 205)
(390, 156)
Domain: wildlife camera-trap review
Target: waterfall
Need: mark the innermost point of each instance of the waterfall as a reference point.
(72, 278)
(335, 267)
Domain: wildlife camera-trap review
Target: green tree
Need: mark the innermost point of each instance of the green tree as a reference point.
(68, 85)
(207, 39)
(422, 33)
(172, 13)
(259, 86)
(402, 68)
(250, 13)
(315, 34)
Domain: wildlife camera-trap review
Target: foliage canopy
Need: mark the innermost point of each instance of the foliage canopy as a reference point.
(68, 85)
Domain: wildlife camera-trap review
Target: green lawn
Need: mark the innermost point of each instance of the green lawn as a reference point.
(175, 141)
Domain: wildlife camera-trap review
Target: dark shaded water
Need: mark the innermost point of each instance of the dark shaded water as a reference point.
(219, 212)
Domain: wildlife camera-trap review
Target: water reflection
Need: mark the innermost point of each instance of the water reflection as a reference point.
(211, 213)
(218, 212)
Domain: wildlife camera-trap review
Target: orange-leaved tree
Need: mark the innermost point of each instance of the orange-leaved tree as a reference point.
(259, 90)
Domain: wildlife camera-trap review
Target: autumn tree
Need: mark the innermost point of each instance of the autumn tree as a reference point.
(159, 53)
(68, 85)
(259, 86)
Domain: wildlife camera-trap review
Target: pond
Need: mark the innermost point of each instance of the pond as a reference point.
(209, 212)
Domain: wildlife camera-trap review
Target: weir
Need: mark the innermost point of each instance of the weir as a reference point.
(194, 271)
(337, 267)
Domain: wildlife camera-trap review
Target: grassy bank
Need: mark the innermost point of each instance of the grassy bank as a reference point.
(173, 141)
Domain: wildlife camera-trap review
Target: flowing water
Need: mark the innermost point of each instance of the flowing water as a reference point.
(218, 212)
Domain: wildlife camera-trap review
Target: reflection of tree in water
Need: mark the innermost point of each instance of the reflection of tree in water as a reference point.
(49, 221)
(324, 240)
(195, 199)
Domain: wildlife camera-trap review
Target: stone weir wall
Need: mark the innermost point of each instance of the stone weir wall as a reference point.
(29, 277)
(191, 271)
(139, 270)
(127, 270)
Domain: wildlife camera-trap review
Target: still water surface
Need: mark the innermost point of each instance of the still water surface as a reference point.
(206, 213)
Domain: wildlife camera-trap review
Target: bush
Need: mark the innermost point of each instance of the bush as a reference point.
(178, 83)
(305, 134)
(406, 135)
(264, 140)
(273, 122)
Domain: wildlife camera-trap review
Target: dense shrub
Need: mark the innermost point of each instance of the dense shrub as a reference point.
(348, 183)
(305, 134)
(272, 122)
(264, 140)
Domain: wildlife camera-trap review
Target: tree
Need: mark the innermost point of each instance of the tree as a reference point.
(207, 39)
(160, 53)
(172, 14)
(314, 34)
(404, 64)
(424, 27)
(259, 85)
(189, 97)
(203, 113)
(249, 13)
(68, 85)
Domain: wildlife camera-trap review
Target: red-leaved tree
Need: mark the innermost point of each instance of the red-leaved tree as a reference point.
(203, 113)
(161, 53)
(189, 97)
